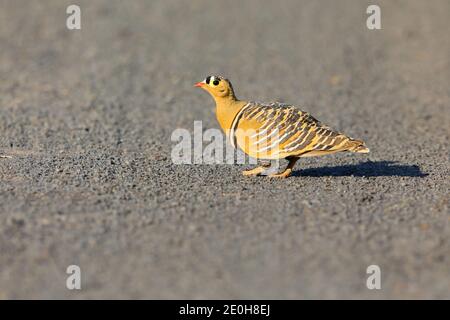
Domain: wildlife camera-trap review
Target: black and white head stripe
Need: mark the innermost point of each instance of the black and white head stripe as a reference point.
(212, 80)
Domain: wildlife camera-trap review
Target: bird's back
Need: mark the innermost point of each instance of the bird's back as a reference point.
(275, 130)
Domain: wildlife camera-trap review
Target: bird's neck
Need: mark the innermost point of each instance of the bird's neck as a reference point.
(226, 109)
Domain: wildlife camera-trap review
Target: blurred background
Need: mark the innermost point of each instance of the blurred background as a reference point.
(86, 116)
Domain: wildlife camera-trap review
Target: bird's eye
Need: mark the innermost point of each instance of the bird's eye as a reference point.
(215, 82)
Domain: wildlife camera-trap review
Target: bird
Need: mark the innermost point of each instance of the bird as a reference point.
(273, 131)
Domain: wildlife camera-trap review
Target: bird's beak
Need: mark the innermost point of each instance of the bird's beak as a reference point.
(199, 84)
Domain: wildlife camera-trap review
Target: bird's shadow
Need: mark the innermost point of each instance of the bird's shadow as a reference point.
(364, 169)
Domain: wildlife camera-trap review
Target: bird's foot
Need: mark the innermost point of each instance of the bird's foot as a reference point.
(258, 170)
(286, 173)
(254, 172)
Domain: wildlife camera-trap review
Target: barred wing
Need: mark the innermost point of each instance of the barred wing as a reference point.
(273, 131)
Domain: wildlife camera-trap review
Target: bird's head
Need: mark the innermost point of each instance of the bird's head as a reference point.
(217, 86)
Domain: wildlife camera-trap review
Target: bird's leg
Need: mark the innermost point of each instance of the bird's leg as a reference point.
(258, 170)
(287, 172)
(5, 157)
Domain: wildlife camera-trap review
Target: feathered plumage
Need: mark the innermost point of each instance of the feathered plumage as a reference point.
(275, 130)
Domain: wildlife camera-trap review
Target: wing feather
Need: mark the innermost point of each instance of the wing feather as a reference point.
(280, 130)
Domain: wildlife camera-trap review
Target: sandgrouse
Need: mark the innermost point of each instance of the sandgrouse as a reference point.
(275, 130)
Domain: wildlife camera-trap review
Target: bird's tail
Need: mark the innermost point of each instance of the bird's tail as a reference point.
(357, 146)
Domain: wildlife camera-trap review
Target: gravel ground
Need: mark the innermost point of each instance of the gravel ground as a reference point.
(87, 118)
